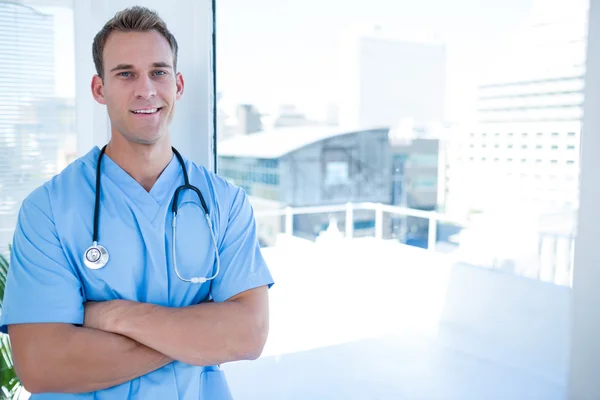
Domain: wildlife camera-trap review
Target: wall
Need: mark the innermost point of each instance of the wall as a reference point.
(515, 321)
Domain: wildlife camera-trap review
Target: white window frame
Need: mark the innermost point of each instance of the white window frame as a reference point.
(585, 305)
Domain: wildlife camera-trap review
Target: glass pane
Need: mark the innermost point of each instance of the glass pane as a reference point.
(37, 105)
(422, 221)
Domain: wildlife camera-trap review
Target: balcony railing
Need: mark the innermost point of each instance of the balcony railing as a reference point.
(349, 208)
(554, 252)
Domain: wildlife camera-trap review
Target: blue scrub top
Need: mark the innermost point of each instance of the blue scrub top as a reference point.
(48, 282)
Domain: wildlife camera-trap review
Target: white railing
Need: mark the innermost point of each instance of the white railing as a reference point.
(349, 208)
(553, 251)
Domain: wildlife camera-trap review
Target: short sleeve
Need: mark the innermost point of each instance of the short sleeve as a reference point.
(41, 286)
(242, 264)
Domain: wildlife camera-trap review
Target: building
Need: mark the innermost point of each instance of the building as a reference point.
(315, 166)
(514, 173)
(415, 173)
(26, 88)
(523, 150)
(533, 166)
(385, 80)
(248, 119)
(549, 99)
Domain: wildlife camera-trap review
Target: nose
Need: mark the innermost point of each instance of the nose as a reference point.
(144, 88)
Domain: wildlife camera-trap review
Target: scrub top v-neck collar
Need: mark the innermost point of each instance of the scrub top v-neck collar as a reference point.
(148, 202)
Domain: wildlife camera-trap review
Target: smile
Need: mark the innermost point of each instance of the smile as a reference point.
(147, 111)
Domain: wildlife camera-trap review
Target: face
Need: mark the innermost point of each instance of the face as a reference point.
(140, 86)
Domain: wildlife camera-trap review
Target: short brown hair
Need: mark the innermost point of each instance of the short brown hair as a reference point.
(134, 19)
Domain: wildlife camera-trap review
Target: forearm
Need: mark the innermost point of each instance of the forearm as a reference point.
(203, 334)
(76, 360)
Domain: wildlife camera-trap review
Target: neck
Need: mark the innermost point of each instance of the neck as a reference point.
(144, 163)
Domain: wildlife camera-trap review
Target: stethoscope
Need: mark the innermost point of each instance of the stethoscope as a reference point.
(96, 256)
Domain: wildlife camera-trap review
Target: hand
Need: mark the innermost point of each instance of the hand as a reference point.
(101, 315)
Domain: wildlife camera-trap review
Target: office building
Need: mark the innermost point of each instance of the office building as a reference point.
(248, 119)
(384, 80)
(315, 166)
(523, 150)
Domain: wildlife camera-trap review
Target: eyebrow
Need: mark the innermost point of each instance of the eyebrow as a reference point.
(160, 64)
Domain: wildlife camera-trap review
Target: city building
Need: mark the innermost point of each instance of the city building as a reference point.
(523, 150)
(514, 172)
(384, 80)
(415, 173)
(316, 166)
(248, 119)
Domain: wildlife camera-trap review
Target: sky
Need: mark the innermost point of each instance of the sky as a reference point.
(287, 51)
(273, 52)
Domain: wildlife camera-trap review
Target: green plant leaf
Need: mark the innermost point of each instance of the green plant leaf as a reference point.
(10, 386)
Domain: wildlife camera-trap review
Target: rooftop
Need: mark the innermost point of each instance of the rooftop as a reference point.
(278, 142)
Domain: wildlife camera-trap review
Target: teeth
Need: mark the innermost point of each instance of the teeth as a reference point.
(150, 111)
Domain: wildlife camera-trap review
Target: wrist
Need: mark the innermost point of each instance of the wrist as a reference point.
(114, 322)
(128, 315)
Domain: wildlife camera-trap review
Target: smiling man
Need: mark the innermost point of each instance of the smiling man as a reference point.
(146, 299)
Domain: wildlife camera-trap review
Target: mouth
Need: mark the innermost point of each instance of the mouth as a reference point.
(143, 112)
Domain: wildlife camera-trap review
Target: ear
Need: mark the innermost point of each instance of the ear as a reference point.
(98, 89)
(180, 84)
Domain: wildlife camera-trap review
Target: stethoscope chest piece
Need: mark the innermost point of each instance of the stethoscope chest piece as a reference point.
(95, 256)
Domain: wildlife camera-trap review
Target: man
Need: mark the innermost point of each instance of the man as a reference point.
(135, 322)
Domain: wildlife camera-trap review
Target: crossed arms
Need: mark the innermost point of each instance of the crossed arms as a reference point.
(121, 340)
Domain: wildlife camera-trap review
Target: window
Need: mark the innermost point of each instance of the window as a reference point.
(425, 183)
(37, 103)
(336, 173)
(423, 160)
(319, 81)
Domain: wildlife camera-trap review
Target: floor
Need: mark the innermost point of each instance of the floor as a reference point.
(403, 366)
(411, 325)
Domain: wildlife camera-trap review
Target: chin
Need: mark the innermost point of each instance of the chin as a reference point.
(144, 138)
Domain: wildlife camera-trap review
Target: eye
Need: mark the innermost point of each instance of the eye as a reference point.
(125, 74)
(160, 73)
